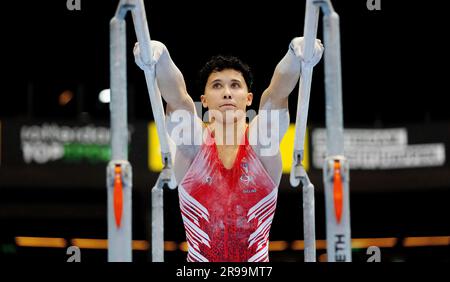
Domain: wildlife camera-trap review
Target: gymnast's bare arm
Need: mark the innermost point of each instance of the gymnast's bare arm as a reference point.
(169, 78)
(286, 75)
(272, 121)
(172, 87)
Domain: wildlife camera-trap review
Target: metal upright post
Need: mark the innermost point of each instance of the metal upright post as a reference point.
(119, 170)
(336, 168)
(119, 173)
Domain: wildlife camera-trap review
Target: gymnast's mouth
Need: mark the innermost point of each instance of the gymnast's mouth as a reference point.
(228, 106)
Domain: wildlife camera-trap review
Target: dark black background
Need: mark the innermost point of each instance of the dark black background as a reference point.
(393, 60)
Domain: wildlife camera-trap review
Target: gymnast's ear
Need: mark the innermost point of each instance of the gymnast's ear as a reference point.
(249, 98)
(203, 100)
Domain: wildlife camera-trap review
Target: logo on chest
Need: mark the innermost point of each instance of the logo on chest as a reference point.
(245, 178)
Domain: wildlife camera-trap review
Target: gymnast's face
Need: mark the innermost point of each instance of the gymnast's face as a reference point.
(226, 96)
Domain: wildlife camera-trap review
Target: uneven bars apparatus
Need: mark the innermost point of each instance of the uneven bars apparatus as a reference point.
(336, 168)
(119, 178)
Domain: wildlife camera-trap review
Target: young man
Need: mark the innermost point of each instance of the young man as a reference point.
(228, 180)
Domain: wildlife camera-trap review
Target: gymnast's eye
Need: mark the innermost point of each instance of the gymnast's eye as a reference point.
(235, 85)
(217, 85)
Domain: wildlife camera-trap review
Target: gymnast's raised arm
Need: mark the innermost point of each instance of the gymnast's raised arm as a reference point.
(286, 75)
(273, 114)
(169, 78)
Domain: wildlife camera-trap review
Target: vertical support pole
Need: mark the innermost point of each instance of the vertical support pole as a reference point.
(298, 173)
(157, 224)
(119, 170)
(309, 221)
(336, 168)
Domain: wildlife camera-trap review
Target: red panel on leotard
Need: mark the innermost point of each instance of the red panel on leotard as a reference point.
(227, 213)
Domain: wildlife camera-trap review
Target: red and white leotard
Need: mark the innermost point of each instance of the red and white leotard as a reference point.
(227, 213)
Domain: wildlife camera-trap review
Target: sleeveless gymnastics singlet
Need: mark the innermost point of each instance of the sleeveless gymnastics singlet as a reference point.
(227, 213)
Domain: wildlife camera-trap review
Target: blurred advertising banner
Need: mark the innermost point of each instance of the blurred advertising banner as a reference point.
(369, 149)
(62, 153)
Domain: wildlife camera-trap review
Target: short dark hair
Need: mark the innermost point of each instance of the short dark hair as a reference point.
(220, 63)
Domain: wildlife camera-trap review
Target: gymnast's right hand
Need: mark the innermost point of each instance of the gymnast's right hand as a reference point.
(157, 50)
(296, 46)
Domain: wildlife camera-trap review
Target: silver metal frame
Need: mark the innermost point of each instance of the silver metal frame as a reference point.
(119, 237)
(338, 228)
